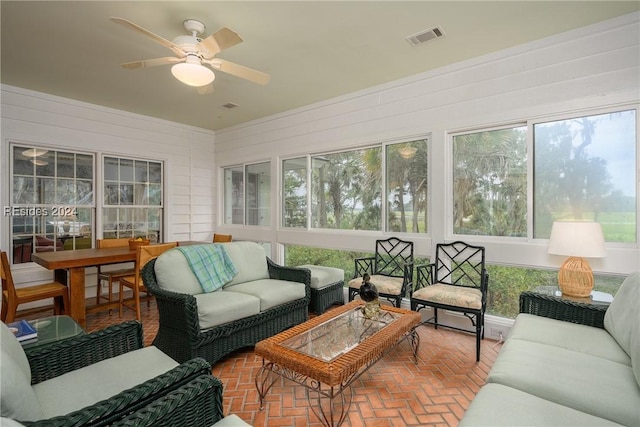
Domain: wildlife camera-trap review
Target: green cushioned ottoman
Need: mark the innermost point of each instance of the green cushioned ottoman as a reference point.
(326, 287)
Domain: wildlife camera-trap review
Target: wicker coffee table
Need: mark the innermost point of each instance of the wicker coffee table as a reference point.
(328, 353)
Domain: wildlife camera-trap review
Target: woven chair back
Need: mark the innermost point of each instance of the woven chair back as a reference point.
(460, 264)
(149, 252)
(222, 238)
(392, 255)
(112, 243)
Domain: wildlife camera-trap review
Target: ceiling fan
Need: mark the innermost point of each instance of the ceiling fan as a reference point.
(191, 52)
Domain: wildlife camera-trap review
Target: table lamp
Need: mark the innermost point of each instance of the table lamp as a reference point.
(577, 240)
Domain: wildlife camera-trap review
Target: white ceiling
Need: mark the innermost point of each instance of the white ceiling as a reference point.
(313, 50)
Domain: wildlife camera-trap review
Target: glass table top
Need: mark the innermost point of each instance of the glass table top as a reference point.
(340, 334)
(52, 329)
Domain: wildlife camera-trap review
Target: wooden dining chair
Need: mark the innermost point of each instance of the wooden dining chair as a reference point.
(111, 276)
(12, 297)
(222, 238)
(144, 254)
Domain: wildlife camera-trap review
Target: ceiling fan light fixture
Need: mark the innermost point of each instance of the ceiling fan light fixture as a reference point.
(34, 152)
(407, 152)
(193, 74)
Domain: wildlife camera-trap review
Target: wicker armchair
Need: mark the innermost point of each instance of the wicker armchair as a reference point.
(188, 388)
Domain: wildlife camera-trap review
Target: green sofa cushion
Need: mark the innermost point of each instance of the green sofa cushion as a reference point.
(220, 307)
(84, 387)
(618, 319)
(271, 292)
(582, 338)
(322, 276)
(580, 381)
(18, 398)
(174, 274)
(622, 320)
(249, 259)
(497, 405)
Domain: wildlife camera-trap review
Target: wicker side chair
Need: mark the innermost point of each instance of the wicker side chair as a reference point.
(188, 388)
(144, 255)
(456, 281)
(110, 276)
(12, 297)
(390, 269)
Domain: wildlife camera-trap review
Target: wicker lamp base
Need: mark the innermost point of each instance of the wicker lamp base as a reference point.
(575, 277)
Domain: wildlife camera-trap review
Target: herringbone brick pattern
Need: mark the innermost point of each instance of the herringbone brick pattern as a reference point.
(394, 392)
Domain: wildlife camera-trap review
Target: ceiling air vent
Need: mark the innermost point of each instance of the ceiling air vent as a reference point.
(425, 36)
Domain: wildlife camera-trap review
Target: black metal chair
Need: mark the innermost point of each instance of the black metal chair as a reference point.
(391, 270)
(456, 281)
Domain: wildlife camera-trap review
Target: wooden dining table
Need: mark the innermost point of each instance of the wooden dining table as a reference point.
(69, 268)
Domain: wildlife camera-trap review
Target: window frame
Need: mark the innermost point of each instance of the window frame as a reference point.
(65, 212)
(530, 123)
(152, 234)
(227, 198)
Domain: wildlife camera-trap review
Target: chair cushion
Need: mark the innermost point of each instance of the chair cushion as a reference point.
(622, 320)
(457, 296)
(271, 292)
(580, 381)
(231, 420)
(384, 284)
(86, 386)
(322, 276)
(250, 261)
(18, 398)
(220, 307)
(582, 338)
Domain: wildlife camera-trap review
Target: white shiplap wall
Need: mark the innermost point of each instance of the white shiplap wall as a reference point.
(587, 69)
(188, 154)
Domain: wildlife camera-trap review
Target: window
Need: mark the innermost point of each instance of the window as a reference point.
(490, 182)
(585, 169)
(248, 201)
(133, 199)
(294, 179)
(346, 190)
(406, 184)
(52, 203)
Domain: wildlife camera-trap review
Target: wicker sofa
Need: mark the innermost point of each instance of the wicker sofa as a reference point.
(262, 299)
(566, 364)
(104, 378)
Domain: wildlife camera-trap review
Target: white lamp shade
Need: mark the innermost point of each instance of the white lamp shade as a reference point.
(577, 238)
(193, 74)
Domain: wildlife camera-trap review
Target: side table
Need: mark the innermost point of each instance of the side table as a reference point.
(52, 329)
(548, 302)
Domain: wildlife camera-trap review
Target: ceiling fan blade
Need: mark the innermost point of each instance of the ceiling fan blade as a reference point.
(222, 39)
(205, 90)
(239, 71)
(151, 62)
(164, 42)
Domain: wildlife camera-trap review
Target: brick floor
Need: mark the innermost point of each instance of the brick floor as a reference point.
(394, 392)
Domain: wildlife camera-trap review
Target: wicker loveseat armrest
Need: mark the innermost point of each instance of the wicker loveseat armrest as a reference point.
(107, 412)
(292, 274)
(67, 355)
(560, 309)
(195, 404)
